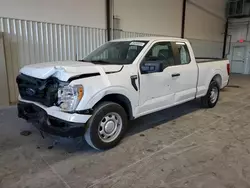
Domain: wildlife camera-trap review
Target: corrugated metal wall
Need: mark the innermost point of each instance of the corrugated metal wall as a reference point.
(126, 34)
(28, 42)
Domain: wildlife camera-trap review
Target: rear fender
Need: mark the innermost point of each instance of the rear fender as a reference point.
(210, 78)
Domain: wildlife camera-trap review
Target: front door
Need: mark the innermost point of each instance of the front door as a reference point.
(238, 59)
(156, 88)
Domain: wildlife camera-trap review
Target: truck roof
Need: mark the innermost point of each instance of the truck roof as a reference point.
(152, 39)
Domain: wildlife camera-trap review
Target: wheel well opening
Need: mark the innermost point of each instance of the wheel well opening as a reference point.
(218, 79)
(121, 100)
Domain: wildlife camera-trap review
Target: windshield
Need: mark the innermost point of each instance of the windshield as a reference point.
(120, 52)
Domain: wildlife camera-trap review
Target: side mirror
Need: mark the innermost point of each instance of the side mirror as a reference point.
(151, 67)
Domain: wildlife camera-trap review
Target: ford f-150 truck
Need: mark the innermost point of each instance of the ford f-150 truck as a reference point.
(119, 81)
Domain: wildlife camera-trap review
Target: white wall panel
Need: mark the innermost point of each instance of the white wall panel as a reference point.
(205, 26)
(161, 17)
(203, 48)
(202, 25)
(88, 13)
(216, 7)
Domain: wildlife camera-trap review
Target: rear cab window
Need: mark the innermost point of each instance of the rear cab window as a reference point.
(182, 53)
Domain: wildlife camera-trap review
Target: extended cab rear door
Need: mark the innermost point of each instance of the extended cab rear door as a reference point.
(186, 71)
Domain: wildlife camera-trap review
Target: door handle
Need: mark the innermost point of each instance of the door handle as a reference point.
(176, 75)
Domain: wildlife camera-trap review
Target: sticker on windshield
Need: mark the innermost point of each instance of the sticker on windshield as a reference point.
(137, 44)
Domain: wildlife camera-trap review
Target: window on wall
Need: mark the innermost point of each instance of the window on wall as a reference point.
(161, 51)
(235, 8)
(184, 53)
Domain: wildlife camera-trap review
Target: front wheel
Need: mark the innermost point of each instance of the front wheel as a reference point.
(107, 126)
(212, 96)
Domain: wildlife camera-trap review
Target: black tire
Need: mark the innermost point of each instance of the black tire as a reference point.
(206, 101)
(92, 135)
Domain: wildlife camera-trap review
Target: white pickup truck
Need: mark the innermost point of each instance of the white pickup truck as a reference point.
(120, 81)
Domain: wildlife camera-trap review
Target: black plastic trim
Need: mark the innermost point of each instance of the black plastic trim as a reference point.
(49, 124)
(183, 23)
(176, 75)
(83, 76)
(133, 79)
(225, 40)
(43, 90)
(115, 71)
(85, 112)
(108, 19)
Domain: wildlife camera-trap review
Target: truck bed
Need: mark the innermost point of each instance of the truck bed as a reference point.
(208, 67)
(207, 59)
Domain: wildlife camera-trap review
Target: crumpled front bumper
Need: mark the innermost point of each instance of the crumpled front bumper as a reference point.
(49, 124)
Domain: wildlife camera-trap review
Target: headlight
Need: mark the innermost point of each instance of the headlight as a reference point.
(69, 97)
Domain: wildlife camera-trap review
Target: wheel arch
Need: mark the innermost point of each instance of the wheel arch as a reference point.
(119, 99)
(218, 79)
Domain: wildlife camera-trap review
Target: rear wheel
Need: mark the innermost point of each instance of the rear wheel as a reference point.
(212, 96)
(107, 126)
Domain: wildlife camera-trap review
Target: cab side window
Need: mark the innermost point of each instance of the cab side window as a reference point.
(161, 51)
(184, 53)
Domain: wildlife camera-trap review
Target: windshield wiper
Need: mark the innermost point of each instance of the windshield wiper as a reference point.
(103, 62)
(82, 60)
(95, 61)
(100, 62)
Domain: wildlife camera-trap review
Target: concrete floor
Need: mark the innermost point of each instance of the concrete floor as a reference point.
(181, 147)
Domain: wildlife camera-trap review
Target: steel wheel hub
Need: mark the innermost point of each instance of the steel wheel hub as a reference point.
(214, 95)
(110, 127)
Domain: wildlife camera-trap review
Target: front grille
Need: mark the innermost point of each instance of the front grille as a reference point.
(43, 91)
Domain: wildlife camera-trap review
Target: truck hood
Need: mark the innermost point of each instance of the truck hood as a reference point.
(63, 70)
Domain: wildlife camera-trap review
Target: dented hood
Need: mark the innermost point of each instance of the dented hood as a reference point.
(63, 70)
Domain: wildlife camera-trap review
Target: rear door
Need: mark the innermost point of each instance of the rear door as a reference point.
(238, 59)
(186, 71)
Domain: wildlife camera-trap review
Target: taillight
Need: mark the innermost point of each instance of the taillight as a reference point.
(228, 68)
